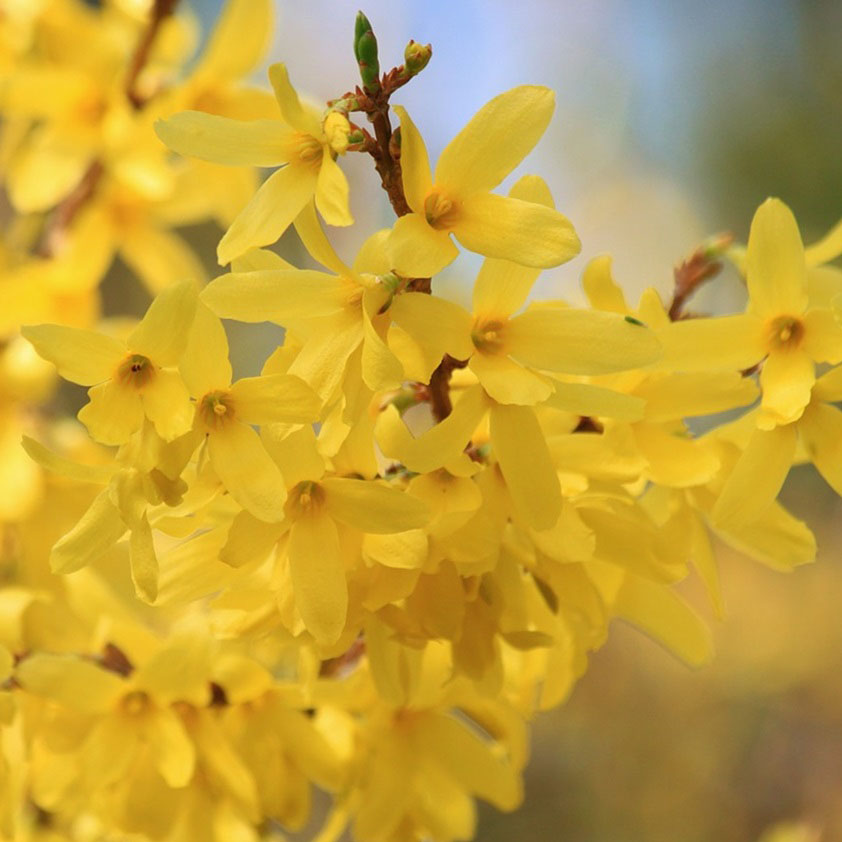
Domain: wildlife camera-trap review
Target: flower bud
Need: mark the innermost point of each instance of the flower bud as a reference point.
(337, 129)
(365, 50)
(417, 56)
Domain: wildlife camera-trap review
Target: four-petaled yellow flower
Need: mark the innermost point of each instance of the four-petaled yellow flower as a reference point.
(457, 199)
(299, 142)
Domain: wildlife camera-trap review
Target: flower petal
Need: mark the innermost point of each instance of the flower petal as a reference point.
(822, 336)
(312, 235)
(204, 364)
(523, 232)
(292, 111)
(93, 535)
(821, 432)
(238, 41)
(372, 506)
(827, 248)
(580, 341)
(249, 540)
(787, 381)
(163, 331)
(415, 164)
(318, 576)
(255, 143)
(269, 213)
(438, 325)
(526, 464)
(757, 477)
(600, 287)
(166, 403)
(247, 471)
(509, 382)
(274, 397)
(496, 139)
(417, 250)
(273, 295)
(726, 342)
(776, 272)
(332, 193)
(588, 399)
(81, 356)
(144, 562)
(113, 412)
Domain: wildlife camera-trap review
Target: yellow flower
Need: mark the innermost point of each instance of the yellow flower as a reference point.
(299, 142)
(129, 380)
(457, 199)
(778, 327)
(226, 411)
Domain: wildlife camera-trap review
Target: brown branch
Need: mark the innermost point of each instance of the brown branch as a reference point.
(65, 212)
(161, 10)
(438, 392)
(691, 273)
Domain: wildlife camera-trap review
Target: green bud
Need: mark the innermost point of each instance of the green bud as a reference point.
(633, 321)
(365, 50)
(416, 57)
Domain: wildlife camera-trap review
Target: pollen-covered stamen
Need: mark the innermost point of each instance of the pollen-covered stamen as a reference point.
(135, 370)
(440, 212)
(306, 498)
(488, 336)
(785, 333)
(216, 409)
(306, 150)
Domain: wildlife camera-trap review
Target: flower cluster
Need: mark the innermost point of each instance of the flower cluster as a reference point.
(364, 569)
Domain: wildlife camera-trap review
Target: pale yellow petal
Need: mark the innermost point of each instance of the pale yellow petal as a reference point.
(600, 287)
(822, 336)
(827, 248)
(687, 394)
(497, 138)
(238, 41)
(99, 528)
(829, 386)
(247, 471)
(113, 412)
(511, 229)
(675, 461)
(221, 140)
(580, 341)
(163, 331)
(274, 397)
(318, 576)
(171, 747)
(249, 540)
(373, 256)
(821, 432)
(757, 477)
(666, 617)
(71, 681)
(143, 561)
(292, 111)
(166, 403)
(273, 295)
(437, 324)
(269, 213)
(417, 250)
(436, 447)
(381, 369)
(81, 356)
(776, 272)
(588, 399)
(332, 193)
(372, 506)
(526, 464)
(728, 342)
(787, 381)
(204, 364)
(415, 164)
(509, 382)
(312, 235)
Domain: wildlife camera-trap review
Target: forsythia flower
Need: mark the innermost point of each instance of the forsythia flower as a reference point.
(299, 142)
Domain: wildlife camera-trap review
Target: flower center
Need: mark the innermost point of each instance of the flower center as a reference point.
(306, 498)
(306, 150)
(785, 332)
(488, 336)
(440, 212)
(216, 409)
(135, 370)
(134, 703)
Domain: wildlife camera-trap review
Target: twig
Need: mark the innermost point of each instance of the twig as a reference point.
(161, 10)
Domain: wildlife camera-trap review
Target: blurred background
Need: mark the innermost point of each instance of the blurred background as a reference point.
(674, 121)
